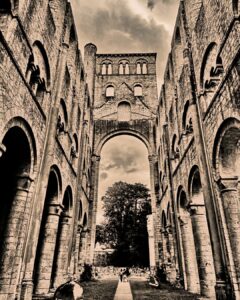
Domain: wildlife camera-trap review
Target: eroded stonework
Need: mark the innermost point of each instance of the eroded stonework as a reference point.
(56, 113)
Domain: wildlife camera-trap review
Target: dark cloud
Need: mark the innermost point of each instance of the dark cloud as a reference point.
(151, 3)
(126, 159)
(116, 28)
(104, 175)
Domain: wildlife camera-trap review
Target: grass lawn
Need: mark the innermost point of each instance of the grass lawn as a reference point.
(100, 289)
(142, 291)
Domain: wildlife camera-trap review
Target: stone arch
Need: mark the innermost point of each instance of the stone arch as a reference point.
(17, 159)
(110, 135)
(195, 187)
(41, 60)
(110, 91)
(124, 111)
(211, 68)
(226, 154)
(72, 35)
(47, 236)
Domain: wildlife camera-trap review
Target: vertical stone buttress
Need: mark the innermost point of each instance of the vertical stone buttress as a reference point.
(27, 283)
(93, 206)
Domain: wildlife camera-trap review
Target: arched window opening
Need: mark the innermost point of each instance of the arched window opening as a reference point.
(187, 125)
(127, 68)
(104, 69)
(139, 70)
(174, 148)
(196, 188)
(74, 148)
(235, 6)
(109, 69)
(121, 69)
(124, 112)
(177, 36)
(144, 68)
(5, 6)
(138, 90)
(62, 118)
(72, 37)
(110, 91)
(229, 153)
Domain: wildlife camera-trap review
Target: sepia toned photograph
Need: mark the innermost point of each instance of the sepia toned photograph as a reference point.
(119, 149)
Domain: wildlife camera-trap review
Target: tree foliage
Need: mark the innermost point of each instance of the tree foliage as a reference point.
(125, 208)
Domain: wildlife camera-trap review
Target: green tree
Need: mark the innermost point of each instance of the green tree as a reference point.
(125, 208)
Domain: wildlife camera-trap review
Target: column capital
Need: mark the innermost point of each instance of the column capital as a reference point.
(96, 158)
(196, 209)
(55, 209)
(23, 182)
(228, 184)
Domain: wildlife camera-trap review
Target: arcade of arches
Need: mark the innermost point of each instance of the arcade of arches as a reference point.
(58, 110)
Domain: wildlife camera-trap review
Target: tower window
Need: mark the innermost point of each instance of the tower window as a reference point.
(110, 91)
(138, 90)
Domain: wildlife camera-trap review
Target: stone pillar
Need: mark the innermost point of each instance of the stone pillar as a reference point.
(151, 244)
(11, 254)
(93, 207)
(62, 256)
(189, 255)
(203, 251)
(171, 264)
(82, 248)
(47, 252)
(77, 249)
(230, 201)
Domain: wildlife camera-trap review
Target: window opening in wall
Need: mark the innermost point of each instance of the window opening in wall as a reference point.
(104, 69)
(110, 91)
(127, 69)
(5, 6)
(124, 112)
(109, 69)
(144, 68)
(121, 69)
(138, 90)
(138, 68)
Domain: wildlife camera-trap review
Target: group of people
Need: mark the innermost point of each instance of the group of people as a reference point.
(124, 274)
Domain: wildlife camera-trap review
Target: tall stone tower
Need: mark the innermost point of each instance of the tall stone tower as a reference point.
(125, 102)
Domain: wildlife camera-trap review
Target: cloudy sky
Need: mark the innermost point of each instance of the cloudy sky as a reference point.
(123, 158)
(125, 26)
(120, 26)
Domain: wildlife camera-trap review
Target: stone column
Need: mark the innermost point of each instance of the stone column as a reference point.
(48, 247)
(230, 201)
(77, 249)
(93, 207)
(150, 228)
(171, 264)
(82, 248)
(10, 258)
(189, 255)
(62, 256)
(203, 251)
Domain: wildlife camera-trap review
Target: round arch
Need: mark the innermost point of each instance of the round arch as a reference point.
(22, 124)
(195, 186)
(119, 132)
(67, 201)
(54, 170)
(225, 155)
